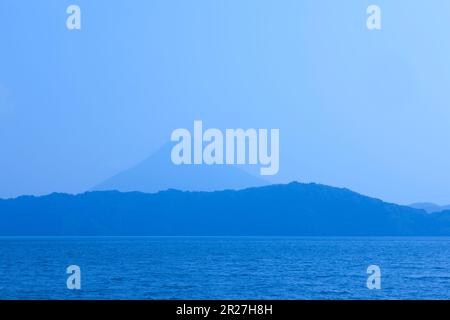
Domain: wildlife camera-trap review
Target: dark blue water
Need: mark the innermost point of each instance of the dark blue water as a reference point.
(224, 268)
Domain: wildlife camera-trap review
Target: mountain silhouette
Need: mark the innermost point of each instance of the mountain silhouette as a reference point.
(429, 207)
(158, 173)
(293, 209)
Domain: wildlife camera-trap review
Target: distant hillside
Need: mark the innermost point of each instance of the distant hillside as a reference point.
(294, 209)
(429, 207)
(158, 173)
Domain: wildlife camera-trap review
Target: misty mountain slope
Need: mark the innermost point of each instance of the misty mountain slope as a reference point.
(429, 207)
(294, 209)
(158, 173)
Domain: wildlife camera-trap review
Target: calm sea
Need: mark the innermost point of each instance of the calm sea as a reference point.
(224, 268)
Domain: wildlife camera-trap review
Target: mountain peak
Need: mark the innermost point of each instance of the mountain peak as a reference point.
(157, 173)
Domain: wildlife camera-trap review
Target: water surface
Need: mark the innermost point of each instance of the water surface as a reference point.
(224, 268)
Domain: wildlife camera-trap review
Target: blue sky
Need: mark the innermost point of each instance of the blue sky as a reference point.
(359, 109)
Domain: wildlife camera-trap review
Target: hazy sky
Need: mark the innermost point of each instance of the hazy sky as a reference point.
(367, 110)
